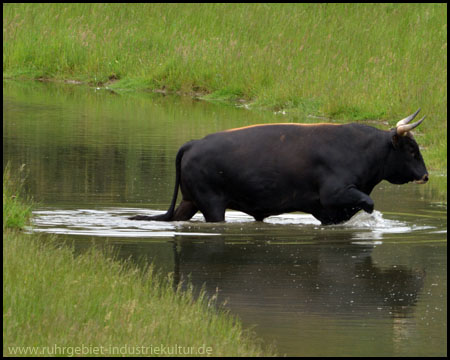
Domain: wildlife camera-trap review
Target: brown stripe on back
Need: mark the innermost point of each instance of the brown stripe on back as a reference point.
(297, 124)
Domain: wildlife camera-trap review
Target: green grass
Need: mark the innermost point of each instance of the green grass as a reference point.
(349, 62)
(16, 207)
(52, 297)
(56, 303)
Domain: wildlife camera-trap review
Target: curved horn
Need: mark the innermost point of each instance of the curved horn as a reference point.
(403, 129)
(406, 120)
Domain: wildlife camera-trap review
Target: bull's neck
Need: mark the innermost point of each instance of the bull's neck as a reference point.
(375, 160)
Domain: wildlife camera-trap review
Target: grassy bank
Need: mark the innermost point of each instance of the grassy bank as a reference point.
(57, 304)
(344, 61)
(16, 207)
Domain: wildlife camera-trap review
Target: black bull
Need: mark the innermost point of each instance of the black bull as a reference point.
(326, 170)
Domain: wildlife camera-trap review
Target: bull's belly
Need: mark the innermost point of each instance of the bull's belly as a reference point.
(326, 215)
(262, 208)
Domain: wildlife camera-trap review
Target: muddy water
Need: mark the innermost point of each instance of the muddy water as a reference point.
(375, 286)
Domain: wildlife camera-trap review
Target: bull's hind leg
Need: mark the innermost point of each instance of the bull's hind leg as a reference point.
(212, 207)
(214, 215)
(185, 211)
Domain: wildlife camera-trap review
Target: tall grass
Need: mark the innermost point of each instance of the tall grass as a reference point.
(345, 61)
(55, 303)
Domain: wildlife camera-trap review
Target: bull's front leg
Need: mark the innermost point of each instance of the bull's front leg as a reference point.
(347, 196)
(341, 203)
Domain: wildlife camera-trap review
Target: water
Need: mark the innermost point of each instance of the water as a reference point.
(374, 286)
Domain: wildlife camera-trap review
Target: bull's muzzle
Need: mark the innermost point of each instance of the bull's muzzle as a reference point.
(423, 180)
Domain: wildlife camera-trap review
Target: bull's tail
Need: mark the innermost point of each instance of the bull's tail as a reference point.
(168, 216)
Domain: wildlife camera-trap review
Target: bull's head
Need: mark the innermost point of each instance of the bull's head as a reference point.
(405, 161)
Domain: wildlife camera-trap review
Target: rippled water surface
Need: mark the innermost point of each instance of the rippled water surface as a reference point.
(374, 286)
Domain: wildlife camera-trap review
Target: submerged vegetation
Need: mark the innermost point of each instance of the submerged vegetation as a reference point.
(56, 303)
(351, 62)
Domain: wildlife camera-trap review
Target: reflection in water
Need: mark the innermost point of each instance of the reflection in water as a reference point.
(289, 288)
(311, 278)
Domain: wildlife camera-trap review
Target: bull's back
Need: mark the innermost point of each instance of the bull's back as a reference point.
(260, 146)
(257, 161)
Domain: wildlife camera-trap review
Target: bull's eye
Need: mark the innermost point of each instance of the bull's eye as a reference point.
(414, 154)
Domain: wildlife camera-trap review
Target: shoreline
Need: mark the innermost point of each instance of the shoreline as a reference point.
(440, 168)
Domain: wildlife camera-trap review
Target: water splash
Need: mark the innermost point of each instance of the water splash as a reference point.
(113, 222)
(378, 226)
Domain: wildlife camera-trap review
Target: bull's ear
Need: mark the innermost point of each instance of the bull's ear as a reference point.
(395, 139)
